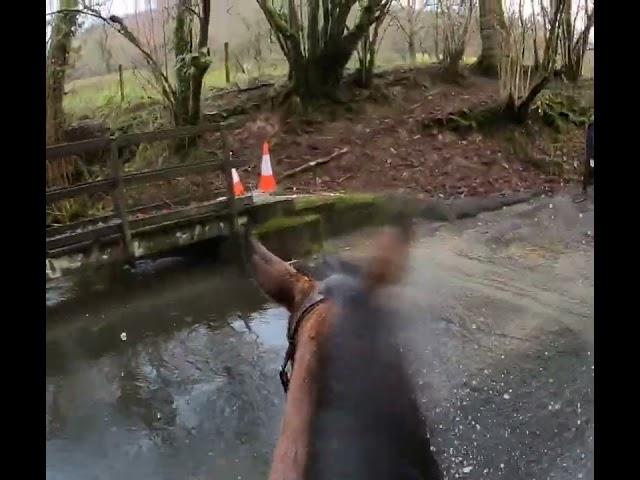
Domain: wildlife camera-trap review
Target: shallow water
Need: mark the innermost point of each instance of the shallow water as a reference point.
(173, 373)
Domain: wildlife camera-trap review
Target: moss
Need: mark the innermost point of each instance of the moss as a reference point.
(340, 201)
(357, 199)
(312, 201)
(281, 223)
(294, 236)
(263, 213)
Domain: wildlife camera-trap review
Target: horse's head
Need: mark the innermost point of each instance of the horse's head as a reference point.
(350, 411)
(291, 287)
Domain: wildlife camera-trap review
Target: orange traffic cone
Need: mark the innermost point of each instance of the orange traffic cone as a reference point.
(267, 183)
(238, 188)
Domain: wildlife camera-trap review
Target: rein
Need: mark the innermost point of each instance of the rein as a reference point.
(295, 320)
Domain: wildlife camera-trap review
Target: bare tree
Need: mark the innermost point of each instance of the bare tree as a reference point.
(317, 42)
(63, 29)
(492, 25)
(407, 16)
(191, 63)
(456, 18)
(192, 60)
(574, 41)
(368, 49)
(519, 83)
(254, 47)
(105, 51)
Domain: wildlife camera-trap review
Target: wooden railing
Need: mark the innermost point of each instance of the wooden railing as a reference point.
(118, 224)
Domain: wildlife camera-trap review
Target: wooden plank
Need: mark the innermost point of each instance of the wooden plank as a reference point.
(82, 237)
(80, 225)
(178, 223)
(107, 185)
(77, 148)
(103, 143)
(179, 171)
(87, 188)
(91, 223)
(213, 208)
(169, 173)
(88, 223)
(119, 204)
(79, 241)
(82, 246)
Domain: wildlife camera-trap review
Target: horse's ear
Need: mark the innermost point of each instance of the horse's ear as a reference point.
(276, 278)
(387, 262)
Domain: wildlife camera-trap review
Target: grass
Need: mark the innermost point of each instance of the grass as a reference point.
(89, 97)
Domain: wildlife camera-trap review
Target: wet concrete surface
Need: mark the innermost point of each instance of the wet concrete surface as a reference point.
(174, 375)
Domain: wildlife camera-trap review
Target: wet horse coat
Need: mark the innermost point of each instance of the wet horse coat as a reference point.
(351, 411)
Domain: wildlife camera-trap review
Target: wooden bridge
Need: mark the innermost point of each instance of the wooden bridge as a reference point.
(128, 233)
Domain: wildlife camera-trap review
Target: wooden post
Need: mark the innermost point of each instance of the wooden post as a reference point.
(234, 228)
(115, 167)
(227, 75)
(121, 83)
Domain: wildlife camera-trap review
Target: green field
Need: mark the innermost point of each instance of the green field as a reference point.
(88, 96)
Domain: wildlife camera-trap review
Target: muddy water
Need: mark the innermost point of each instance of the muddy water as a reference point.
(173, 373)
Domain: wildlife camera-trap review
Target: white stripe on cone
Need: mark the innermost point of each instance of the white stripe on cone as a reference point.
(235, 176)
(265, 168)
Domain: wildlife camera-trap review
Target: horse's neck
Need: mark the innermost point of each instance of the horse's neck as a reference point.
(292, 450)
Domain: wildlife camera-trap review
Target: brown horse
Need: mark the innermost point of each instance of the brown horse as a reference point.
(350, 411)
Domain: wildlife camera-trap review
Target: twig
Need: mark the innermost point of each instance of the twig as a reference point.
(313, 164)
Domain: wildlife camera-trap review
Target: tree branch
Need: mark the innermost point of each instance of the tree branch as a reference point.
(118, 25)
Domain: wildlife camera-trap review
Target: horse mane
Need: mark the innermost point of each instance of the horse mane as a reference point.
(368, 424)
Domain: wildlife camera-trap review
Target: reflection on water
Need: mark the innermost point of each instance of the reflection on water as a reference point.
(499, 322)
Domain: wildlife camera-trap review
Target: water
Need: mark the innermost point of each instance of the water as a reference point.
(499, 332)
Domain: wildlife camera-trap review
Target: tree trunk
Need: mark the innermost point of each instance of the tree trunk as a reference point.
(62, 32)
(191, 64)
(436, 38)
(519, 112)
(313, 80)
(182, 48)
(411, 45)
(491, 23)
(316, 65)
(367, 54)
(452, 66)
(574, 47)
(200, 63)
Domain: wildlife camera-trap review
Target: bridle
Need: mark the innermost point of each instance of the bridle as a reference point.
(295, 320)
